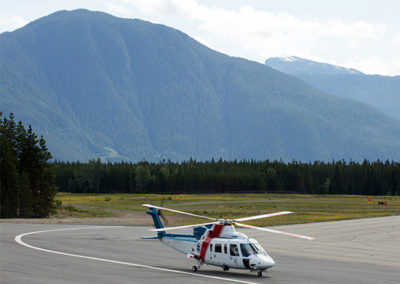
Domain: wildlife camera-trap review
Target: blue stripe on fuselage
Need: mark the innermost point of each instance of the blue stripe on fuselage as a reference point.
(181, 237)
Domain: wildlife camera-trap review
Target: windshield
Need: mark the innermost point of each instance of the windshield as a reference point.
(247, 249)
(258, 248)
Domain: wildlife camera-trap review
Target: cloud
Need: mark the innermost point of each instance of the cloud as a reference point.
(10, 22)
(261, 31)
(376, 65)
(259, 34)
(247, 20)
(119, 10)
(160, 7)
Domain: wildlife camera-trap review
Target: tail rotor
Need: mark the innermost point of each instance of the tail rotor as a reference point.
(160, 212)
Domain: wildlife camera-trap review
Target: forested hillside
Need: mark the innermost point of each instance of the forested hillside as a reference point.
(122, 89)
(337, 177)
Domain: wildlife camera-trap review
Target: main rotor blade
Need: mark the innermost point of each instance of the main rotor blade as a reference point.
(179, 227)
(177, 211)
(263, 216)
(274, 231)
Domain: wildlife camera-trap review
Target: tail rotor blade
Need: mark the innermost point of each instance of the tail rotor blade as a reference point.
(164, 219)
(160, 212)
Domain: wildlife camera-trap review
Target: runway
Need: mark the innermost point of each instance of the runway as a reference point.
(355, 251)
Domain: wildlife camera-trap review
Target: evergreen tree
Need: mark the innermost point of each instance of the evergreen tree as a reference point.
(27, 180)
(9, 178)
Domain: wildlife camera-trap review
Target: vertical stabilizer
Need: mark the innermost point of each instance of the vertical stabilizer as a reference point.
(157, 222)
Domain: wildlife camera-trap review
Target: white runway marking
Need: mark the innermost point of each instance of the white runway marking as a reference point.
(18, 239)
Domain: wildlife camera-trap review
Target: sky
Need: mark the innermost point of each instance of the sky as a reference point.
(360, 34)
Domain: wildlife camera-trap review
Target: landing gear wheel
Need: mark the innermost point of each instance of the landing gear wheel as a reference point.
(259, 273)
(225, 267)
(194, 268)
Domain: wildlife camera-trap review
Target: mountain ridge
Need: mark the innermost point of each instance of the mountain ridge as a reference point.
(381, 92)
(294, 65)
(124, 89)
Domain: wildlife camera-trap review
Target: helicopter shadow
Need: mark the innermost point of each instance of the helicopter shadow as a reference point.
(235, 275)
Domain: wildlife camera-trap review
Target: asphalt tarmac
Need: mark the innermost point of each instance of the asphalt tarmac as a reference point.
(356, 251)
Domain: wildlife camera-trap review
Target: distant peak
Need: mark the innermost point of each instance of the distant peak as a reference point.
(296, 65)
(289, 58)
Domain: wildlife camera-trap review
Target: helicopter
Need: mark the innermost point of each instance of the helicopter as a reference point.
(217, 242)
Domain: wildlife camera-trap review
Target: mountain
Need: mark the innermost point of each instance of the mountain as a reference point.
(381, 92)
(124, 89)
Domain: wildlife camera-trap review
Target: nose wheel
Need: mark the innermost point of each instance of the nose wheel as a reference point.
(259, 273)
(194, 268)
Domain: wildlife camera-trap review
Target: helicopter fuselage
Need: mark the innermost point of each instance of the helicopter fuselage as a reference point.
(219, 245)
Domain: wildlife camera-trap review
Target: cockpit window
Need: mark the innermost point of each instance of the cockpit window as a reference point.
(247, 249)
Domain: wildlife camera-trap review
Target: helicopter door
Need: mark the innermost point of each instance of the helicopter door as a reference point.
(218, 256)
(225, 255)
(234, 256)
(211, 256)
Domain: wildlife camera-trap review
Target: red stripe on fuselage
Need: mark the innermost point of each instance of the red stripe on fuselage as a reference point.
(216, 232)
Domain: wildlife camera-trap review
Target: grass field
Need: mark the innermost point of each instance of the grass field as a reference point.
(307, 208)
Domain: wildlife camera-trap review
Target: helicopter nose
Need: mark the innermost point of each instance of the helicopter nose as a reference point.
(270, 262)
(266, 262)
(261, 262)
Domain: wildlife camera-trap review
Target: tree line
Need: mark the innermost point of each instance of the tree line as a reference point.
(29, 181)
(336, 177)
(26, 178)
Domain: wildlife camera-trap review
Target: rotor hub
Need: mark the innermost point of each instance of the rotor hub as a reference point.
(225, 222)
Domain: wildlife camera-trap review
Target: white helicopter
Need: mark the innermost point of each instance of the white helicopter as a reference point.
(217, 242)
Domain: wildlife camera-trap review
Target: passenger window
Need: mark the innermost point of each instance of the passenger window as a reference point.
(234, 250)
(225, 248)
(218, 248)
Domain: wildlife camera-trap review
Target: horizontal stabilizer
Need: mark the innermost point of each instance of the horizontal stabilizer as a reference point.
(150, 238)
